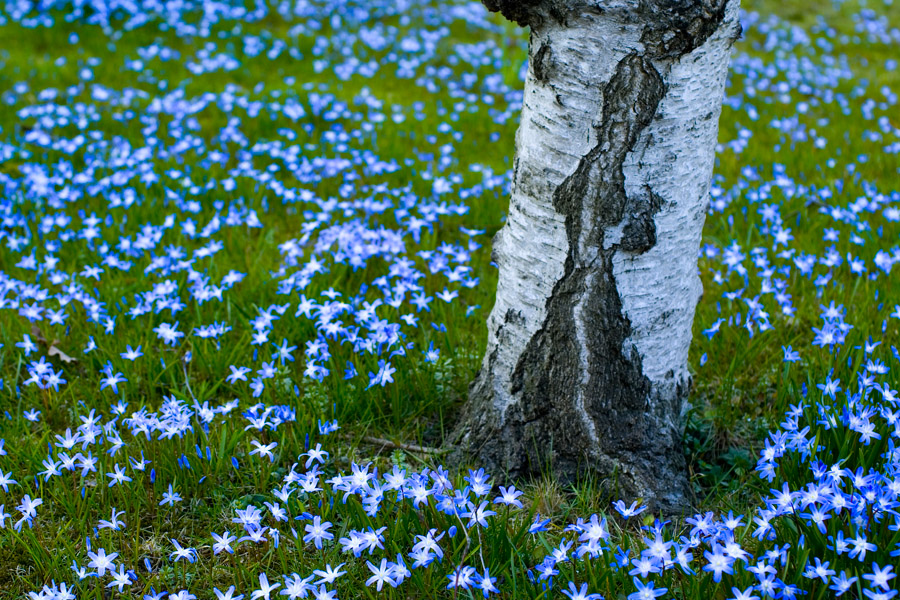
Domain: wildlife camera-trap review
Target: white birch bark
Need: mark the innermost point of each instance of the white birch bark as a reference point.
(586, 361)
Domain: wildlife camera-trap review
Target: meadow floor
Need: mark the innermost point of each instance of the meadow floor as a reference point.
(244, 275)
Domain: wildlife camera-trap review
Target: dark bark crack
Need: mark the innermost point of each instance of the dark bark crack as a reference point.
(541, 63)
(687, 23)
(678, 27)
(639, 233)
(522, 12)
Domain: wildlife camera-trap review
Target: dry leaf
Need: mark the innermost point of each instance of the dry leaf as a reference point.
(54, 351)
(36, 332)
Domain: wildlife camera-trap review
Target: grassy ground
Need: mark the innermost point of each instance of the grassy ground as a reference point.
(803, 72)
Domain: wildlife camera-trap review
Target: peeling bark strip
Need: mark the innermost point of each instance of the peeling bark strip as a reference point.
(586, 365)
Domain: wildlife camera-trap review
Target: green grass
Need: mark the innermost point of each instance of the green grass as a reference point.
(739, 394)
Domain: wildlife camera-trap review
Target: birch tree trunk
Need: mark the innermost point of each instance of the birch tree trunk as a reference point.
(586, 362)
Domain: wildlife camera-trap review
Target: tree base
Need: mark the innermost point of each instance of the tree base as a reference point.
(522, 446)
